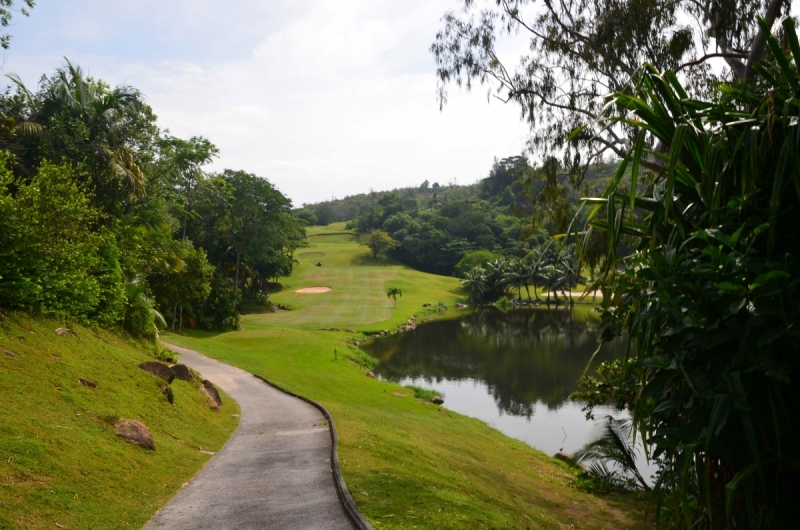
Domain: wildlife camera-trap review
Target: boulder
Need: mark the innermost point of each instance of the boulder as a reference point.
(159, 370)
(568, 459)
(352, 331)
(167, 391)
(182, 372)
(87, 382)
(437, 400)
(371, 375)
(209, 388)
(136, 433)
(10, 353)
(461, 306)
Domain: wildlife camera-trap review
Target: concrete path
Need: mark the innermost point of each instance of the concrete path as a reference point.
(275, 472)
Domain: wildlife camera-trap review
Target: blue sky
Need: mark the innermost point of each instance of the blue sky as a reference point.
(325, 98)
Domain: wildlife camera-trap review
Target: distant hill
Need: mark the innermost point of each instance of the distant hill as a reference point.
(438, 225)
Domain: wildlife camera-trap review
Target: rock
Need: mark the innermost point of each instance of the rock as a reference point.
(371, 375)
(567, 458)
(10, 353)
(136, 433)
(426, 305)
(182, 372)
(337, 329)
(384, 333)
(159, 370)
(352, 331)
(87, 382)
(64, 332)
(167, 391)
(2, 317)
(212, 392)
(437, 400)
(461, 306)
(272, 308)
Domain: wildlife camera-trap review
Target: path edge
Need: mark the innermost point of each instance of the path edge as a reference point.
(355, 515)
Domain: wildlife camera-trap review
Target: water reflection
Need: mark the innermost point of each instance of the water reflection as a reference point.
(524, 358)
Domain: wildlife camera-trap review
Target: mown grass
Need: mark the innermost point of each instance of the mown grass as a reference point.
(407, 463)
(60, 460)
(425, 394)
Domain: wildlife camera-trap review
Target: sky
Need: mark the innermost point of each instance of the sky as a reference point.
(323, 98)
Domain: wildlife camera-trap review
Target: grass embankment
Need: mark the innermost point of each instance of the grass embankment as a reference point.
(60, 460)
(408, 464)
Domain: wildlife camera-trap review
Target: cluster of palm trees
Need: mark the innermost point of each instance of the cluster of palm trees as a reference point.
(548, 269)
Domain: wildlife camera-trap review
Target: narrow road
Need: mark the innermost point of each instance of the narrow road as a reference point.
(275, 472)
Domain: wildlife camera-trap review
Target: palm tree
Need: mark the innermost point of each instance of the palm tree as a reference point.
(475, 281)
(613, 442)
(393, 293)
(104, 112)
(516, 276)
(495, 272)
(140, 318)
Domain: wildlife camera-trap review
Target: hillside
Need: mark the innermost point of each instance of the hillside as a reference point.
(61, 463)
(511, 212)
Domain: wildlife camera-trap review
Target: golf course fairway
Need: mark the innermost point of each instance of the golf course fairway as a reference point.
(407, 464)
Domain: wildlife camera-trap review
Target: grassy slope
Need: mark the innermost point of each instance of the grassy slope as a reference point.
(407, 464)
(60, 461)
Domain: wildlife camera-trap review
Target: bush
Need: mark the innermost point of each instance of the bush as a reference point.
(478, 258)
(52, 257)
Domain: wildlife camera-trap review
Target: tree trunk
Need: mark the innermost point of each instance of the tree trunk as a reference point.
(757, 49)
(527, 290)
(180, 322)
(236, 277)
(174, 314)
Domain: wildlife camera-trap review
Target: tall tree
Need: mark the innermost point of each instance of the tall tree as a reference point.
(580, 51)
(246, 204)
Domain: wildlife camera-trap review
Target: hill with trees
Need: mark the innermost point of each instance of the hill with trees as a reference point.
(436, 226)
(106, 218)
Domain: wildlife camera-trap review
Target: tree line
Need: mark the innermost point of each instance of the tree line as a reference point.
(432, 228)
(106, 218)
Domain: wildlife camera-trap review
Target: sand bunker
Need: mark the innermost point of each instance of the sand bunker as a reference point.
(313, 290)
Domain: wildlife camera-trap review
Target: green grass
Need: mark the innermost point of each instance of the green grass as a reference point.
(60, 461)
(425, 394)
(358, 282)
(408, 464)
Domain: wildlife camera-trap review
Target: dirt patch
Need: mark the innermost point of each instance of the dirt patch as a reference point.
(313, 290)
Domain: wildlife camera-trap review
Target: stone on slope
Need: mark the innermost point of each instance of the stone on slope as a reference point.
(159, 370)
(182, 372)
(212, 392)
(136, 433)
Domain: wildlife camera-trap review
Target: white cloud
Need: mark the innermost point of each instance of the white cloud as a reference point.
(333, 99)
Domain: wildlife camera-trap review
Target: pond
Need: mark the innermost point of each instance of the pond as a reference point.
(513, 370)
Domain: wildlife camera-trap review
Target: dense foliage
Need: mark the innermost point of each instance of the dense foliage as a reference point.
(437, 226)
(107, 219)
(711, 296)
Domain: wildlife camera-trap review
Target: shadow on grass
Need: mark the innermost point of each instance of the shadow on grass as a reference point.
(193, 333)
(366, 260)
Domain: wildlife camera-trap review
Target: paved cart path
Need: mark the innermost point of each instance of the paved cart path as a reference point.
(275, 472)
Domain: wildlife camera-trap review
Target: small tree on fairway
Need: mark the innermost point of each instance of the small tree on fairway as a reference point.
(379, 242)
(393, 293)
